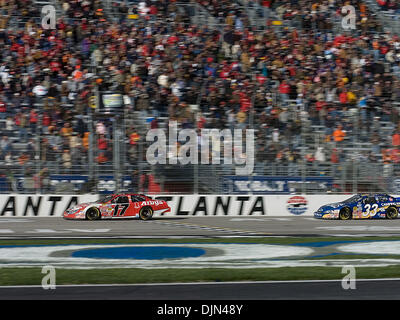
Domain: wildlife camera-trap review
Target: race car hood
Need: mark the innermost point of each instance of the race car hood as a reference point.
(328, 207)
(82, 205)
(332, 206)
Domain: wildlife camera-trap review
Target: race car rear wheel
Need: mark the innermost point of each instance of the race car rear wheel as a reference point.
(392, 213)
(93, 214)
(345, 214)
(146, 213)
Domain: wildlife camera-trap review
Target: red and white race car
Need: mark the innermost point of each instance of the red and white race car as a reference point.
(118, 206)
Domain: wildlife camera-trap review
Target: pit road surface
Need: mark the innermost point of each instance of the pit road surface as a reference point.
(57, 227)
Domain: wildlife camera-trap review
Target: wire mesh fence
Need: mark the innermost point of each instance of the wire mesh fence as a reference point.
(111, 156)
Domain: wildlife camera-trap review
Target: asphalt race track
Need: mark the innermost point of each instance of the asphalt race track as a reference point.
(57, 227)
(204, 226)
(386, 289)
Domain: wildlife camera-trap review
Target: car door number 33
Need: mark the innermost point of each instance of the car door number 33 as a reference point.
(370, 211)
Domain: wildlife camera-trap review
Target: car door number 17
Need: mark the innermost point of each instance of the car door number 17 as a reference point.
(117, 212)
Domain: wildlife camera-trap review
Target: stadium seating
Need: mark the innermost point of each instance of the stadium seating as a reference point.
(263, 65)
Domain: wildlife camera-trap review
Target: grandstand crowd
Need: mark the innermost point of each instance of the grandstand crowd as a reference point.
(282, 81)
(390, 5)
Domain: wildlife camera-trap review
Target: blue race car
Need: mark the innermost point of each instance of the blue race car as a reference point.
(361, 206)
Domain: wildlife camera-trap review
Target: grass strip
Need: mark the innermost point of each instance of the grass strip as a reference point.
(33, 276)
(262, 240)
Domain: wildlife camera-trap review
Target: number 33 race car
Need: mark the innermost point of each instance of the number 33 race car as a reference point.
(118, 206)
(361, 207)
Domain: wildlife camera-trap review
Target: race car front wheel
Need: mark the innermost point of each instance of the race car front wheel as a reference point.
(146, 213)
(93, 214)
(392, 213)
(345, 214)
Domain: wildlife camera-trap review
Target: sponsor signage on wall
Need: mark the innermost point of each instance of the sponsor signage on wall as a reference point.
(181, 205)
(274, 185)
(105, 183)
(297, 205)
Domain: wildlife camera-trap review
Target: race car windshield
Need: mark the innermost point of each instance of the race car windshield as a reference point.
(105, 199)
(352, 199)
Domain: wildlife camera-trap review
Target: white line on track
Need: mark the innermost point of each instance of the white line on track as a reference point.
(199, 283)
(6, 231)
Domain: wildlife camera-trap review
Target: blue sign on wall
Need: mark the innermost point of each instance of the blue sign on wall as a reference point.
(104, 184)
(274, 185)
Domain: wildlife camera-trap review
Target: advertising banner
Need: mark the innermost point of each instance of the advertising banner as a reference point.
(274, 185)
(181, 205)
(73, 183)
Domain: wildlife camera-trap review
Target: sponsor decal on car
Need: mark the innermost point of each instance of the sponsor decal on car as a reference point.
(151, 203)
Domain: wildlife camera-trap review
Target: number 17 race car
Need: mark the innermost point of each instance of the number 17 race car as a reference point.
(360, 206)
(118, 206)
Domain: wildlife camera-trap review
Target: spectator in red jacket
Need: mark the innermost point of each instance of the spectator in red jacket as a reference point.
(284, 90)
(102, 143)
(3, 110)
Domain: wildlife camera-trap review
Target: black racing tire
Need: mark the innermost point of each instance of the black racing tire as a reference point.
(392, 213)
(93, 214)
(345, 214)
(146, 213)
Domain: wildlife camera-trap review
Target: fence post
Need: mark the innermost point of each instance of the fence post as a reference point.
(90, 151)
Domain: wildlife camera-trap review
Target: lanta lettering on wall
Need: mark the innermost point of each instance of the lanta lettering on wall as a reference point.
(37, 205)
(216, 205)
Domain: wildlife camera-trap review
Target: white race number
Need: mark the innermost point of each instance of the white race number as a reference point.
(370, 211)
